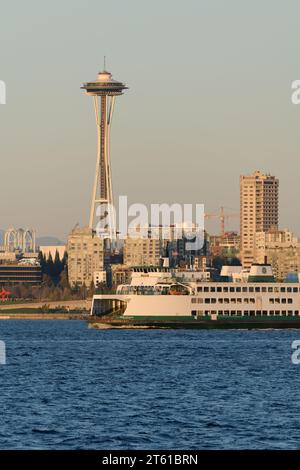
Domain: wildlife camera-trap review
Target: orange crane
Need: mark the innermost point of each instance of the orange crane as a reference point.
(222, 217)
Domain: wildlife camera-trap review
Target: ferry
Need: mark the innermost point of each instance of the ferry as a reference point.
(185, 297)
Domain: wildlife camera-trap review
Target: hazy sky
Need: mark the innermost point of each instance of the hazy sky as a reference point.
(209, 99)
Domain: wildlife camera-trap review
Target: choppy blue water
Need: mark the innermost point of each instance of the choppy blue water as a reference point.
(67, 387)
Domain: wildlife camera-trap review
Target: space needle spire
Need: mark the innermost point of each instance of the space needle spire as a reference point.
(104, 91)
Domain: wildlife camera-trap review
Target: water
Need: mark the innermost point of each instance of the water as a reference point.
(68, 387)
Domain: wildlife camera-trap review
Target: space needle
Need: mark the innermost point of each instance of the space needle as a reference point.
(104, 91)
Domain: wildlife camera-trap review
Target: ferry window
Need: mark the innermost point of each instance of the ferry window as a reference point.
(219, 289)
(271, 301)
(225, 289)
(271, 312)
(239, 313)
(290, 301)
(199, 289)
(265, 312)
(295, 289)
(290, 312)
(251, 289)
(289, 289)
(282, 289)
(212, 289)
(233, 301)
(213, 301)
(200, 301)
(277, 301)
(246, 301)
(232, 313)
(258, 313)
(226, 312)
(207, 301)
(252, 301)
(238, 289)
(252, 313)
(283, 313)
(246, 313)
(194, 312)
(239, 300)
(277, 312)
(257, 289)
(220, 312)
(194, 300)
(296, 313)
(276, 289)
(244, 289)
(226, 301)
(264, 289)
(231, 289)
(283, 301)
(206, 289)
(270, 289)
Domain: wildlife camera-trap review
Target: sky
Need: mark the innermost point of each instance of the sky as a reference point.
(209, 99)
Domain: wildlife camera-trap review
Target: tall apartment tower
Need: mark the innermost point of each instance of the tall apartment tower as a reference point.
(258, 211)
(85, 256)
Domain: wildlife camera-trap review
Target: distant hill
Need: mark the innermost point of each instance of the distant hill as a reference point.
(48, 240)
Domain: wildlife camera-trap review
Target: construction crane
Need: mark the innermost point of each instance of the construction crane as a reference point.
(222, 217)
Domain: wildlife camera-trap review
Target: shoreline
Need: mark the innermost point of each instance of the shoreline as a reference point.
(43, 316)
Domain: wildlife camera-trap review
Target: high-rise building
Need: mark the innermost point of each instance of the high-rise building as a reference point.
(85, 256)
(142, 251)
(258, 211)
(104, 91)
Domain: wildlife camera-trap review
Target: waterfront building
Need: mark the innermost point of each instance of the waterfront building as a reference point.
(120, 274)
(99, 278)
(282, 250)
(258, 211)
(12, 274)
(85, 256)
